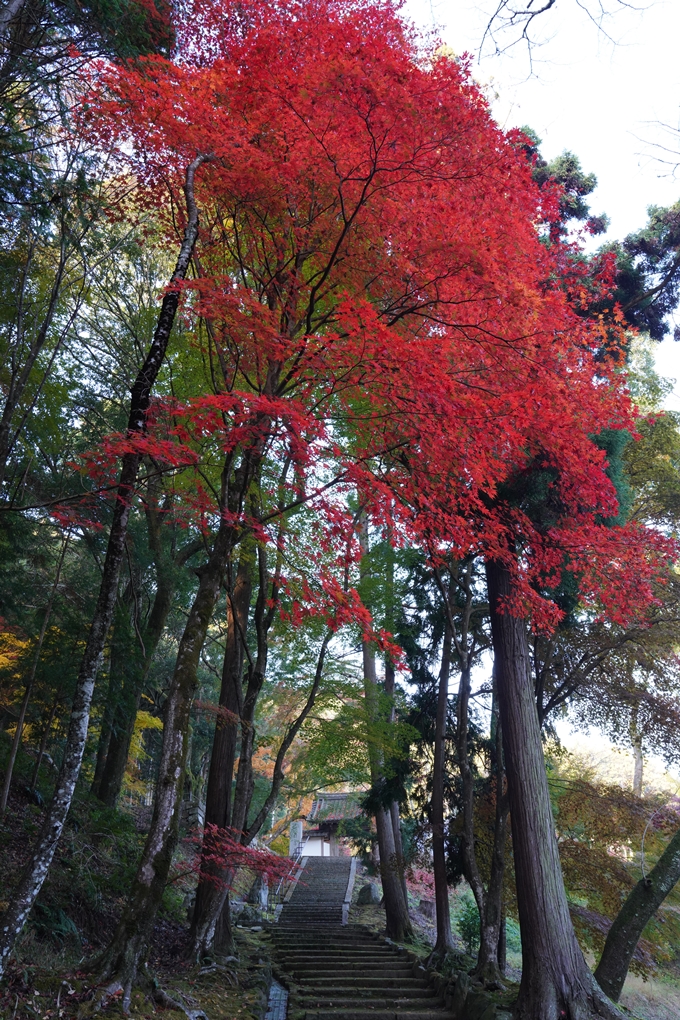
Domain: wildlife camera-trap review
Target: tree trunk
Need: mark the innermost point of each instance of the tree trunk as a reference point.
(10, 12)
(43, 740)
(636, 741)
(122, 655)
(641, 905)
(211, 896)
(488, 900)
(490, 965)
(399, 848)
(128, 946)
(444, 943)
(120, 738)
(139, 661)
(105, 730)
(503, 946)
(223, 940)
(398, 923)
(213, 920)
(556, 982)
(36, 872)
(394, 806)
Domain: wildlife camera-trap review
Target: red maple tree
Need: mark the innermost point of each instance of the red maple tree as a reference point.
(381, 309)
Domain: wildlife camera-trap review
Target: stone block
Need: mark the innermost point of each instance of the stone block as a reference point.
(428, 909)
(478, 1006)
(460, 994)
(369, 895)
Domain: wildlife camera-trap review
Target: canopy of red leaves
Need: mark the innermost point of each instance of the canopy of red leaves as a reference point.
(382, 307)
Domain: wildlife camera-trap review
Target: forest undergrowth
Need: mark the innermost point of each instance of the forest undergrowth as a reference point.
(78, 909)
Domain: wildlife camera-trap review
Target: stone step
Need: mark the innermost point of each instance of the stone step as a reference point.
(312, 917)
(342, 963)
(331, 926)
(349, 973)
(372, 983)
(341, 973)
(347, 959)
(377, 1014)
(309, 910)
(341, 958)
(327, 996)
(381, 988)
(341, 955)
(323, 1002)
(283, 940)
(307, 914)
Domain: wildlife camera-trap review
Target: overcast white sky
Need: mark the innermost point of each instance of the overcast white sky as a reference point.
(604, 99)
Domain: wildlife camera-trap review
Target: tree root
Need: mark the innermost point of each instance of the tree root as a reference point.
(588, 1003)
(154, 991)
(160, 996)
(446, 961)
(604, 1005)
(490, 977)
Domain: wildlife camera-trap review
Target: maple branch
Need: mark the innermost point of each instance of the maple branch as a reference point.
(334, 481)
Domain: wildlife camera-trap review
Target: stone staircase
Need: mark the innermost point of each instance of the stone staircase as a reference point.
(319, 895)
(343, 972)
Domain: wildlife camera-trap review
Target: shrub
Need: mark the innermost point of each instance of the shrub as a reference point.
(467, 925)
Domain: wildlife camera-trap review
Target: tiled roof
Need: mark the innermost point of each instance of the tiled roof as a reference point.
(334, 807)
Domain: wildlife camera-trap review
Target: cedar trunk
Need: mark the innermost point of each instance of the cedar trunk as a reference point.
(444, 943)
(124, 655)
(394, 806)
(556, 982)
(641, 905)
(491, 959)
(398, 923)
(36, 872)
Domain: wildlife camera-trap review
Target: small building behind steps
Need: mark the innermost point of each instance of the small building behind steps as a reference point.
(317, 835)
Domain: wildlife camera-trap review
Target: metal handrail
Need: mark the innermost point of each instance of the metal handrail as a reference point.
(279, 895)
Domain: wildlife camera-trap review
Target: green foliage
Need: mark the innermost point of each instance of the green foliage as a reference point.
(513, 938)
(614, 442)
(648, 271)
(54, 923)
(361, 834)
(467, 925)
(566, 172)
(126, 28)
